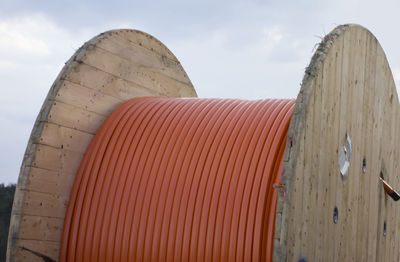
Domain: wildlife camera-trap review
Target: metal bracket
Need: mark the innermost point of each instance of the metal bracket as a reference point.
(344, 158)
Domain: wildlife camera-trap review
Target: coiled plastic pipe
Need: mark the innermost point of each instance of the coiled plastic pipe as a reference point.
(168, 179)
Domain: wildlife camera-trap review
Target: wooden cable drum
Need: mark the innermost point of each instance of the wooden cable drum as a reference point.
(179, 179)
(120, 167)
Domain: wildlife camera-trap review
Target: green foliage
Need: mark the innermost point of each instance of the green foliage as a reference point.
(6, 201)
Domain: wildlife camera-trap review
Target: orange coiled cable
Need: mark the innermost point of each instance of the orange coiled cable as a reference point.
(179, 180)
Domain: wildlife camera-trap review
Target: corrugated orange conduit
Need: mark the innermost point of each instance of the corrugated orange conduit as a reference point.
(179, 180)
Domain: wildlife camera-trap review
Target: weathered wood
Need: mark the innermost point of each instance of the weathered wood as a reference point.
(75, 117)
(41, 228)
(330, 114)
(65, 138)
(48, 181)
(123, 68)
(348, 87)
(144, 58)
(91, 77)
(146, 41)
(54, 159)
(37, 250)
(363, 199)
(87, 99)
(108, 70)
(44, 204)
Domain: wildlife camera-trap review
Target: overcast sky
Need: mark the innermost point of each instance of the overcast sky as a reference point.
(240, 49)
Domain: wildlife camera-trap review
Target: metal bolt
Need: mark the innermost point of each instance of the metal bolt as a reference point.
(364, 165)
(384, 228)
(335, 215)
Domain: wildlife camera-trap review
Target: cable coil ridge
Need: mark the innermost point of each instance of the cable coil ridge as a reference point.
(179, 180)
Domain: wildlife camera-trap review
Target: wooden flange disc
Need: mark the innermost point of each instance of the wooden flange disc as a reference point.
(321, 215)
(109, 69)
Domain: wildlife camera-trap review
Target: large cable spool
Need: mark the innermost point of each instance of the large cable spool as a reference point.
(179, 179)
(331, 205)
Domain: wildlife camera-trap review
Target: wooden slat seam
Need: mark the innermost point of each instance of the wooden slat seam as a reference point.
(139, 66)
(118, 77)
